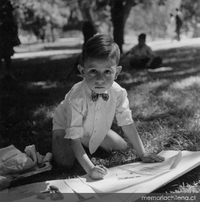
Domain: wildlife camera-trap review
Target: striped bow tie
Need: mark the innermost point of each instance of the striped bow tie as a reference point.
(95, 96)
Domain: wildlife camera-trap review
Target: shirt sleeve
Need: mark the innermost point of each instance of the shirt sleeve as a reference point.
(68, 117)
(150, 52)
(123, 112)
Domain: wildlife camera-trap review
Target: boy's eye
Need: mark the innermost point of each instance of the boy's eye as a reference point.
(107, 72)
(93, 71)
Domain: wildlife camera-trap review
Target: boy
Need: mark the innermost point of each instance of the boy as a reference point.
(86, 114)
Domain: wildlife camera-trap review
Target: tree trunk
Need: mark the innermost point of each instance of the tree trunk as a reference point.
(87, 12)
(117, 14)
(120, 10)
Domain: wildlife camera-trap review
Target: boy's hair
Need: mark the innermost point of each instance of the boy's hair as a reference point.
(142, 36)
(99, 47)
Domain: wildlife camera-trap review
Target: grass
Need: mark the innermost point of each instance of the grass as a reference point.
(165, 107)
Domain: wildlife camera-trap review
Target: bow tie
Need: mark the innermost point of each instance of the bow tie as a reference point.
(95, 96)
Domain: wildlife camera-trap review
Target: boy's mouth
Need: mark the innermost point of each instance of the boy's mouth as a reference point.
(99, 87)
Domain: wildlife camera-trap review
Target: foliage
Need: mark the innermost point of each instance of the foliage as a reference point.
(190, 10)
(150, 17)
(46, 17)
(38, 16)
(50, 17)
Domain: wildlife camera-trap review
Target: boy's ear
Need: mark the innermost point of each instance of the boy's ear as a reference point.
(81, 70)
(118, 70)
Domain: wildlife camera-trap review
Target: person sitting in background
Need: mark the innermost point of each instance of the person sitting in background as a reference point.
(142, 56)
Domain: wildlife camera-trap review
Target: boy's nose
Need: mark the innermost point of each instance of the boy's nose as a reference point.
(100, 78)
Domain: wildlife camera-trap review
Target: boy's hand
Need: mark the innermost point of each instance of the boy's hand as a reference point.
(151, 158)
(98, 172)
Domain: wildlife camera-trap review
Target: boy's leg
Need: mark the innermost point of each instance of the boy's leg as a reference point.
(113, 141)
(63, 155)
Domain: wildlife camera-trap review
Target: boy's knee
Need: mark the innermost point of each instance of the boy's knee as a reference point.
(123, 146)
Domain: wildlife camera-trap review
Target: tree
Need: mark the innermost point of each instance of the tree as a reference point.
(151, 17)
(37, 16)
(120, 10)
(113, 12)
(41, 17)
(101, 11)
(190, 9)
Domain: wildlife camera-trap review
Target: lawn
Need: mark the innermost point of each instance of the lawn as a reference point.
(165, 107)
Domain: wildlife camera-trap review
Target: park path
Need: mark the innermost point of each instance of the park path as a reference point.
(70, 46)
(65, 46)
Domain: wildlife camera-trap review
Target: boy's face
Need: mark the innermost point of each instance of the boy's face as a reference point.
(99, 74)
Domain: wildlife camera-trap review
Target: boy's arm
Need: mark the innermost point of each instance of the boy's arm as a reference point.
(132, 134)
(96, 172)
(81, 155)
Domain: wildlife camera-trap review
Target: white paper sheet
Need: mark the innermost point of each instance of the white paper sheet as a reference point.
(81, 188)
(180, 163)
(132, 174)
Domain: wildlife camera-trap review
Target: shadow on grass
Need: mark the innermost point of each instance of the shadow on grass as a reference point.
(41, 84)
(184, 180)
(27, 104)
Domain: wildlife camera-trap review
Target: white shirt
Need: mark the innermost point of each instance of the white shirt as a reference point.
(80, 117)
